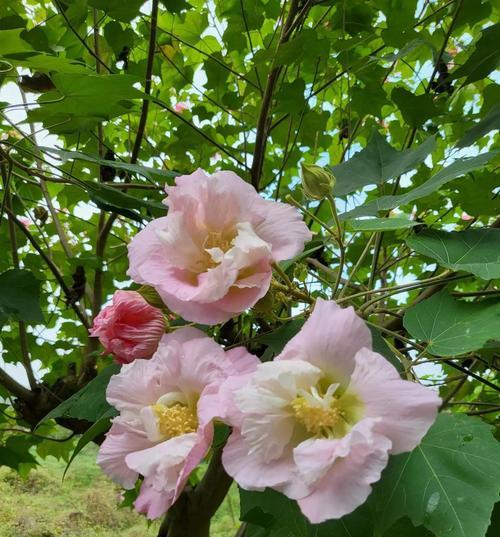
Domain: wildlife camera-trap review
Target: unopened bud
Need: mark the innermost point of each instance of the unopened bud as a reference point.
(317, 182)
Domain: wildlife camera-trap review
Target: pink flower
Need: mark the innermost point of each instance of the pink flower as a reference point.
(166, 405)
(181, 107)
(26, 222)
(466, 217)
(319, 423)
(210, 257)
(130, 328)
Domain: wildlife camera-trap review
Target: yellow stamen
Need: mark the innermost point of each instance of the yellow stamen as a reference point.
(317, 419)
(175, 420)
(215, 239)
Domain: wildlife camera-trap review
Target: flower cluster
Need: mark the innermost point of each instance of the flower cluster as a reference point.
(317, 423)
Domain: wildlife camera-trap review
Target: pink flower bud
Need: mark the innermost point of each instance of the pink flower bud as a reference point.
(26, 222)
(181, 107)
(130, 328)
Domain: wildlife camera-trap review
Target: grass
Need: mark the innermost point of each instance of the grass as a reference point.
(85, 504)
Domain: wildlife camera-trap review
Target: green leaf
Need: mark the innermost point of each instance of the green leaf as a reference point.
(90, 402)
(415, 109)
(477, 195)
(448, 484)
(97, 429)
(379, 345)
(20, 296)
(149, 173)
(484, 59)
(377, 163)
(11, 42)
(81, 103)
(119, 9)
(453, 327)
(277, 339)
(112, 199)
(16, 451)
(282, 518)
(459, 168)
(490, 122)
(473, 250)
(381, 224)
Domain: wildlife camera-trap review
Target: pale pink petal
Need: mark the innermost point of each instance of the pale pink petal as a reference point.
(248, 469)
(135, 386)
(153, 503)
(329, 339)
(406, 409)
(284, 229)
(120, 441)
(355, 463)
(163, 462)
(146, 254)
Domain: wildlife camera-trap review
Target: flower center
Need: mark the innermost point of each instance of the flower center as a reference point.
(175, 420)
(319, 421)
(320, 413)
(215, 239)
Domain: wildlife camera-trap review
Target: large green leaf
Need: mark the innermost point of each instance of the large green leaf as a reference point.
(457, 169)
(90, 402)
(474, 250)
(381, 224)
(448, 484)
(112, 199)
(20, 296)
(282, 518)
(477, 195)
(147, 172)
(377, 163)
(11, 42)
(415, 109)
(80, 97)
(489, 122)
(453, 327)
(484, 59)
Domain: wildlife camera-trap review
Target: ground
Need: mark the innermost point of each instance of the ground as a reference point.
(85, 504)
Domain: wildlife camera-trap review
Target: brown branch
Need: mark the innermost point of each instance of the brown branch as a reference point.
(147, 85)
(16, 389)
(263, 123)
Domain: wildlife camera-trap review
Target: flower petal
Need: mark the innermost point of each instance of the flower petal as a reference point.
(329, 339)
(407, 409)
(249, 470)
(353, 464)
(120, 441)
(284, 229)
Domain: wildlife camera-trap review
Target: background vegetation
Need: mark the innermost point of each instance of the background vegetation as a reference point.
(105, 101)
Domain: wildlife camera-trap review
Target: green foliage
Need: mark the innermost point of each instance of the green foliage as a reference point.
(377, 163)
(19, 296)
(397, 98)
(474, 250)
(90, 402)
(453, 327)
(457, 463)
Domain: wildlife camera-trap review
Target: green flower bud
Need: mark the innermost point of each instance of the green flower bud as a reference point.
(317, 182)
